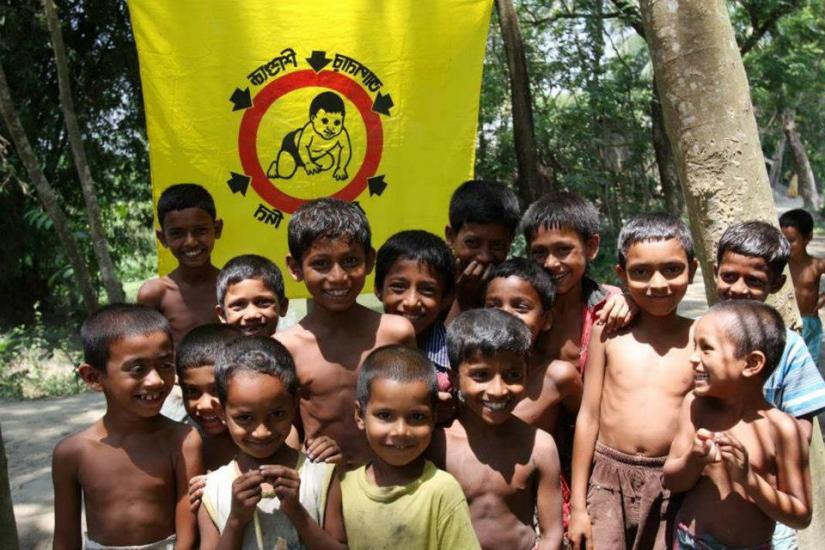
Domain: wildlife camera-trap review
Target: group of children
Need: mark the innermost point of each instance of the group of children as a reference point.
(497, 403)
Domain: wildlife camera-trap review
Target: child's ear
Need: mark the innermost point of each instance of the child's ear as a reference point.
(220, 313)
(359, 416)
(218, 228)
(548, 320)
(294, 268)
(161, 237)
(620, 271)
(777, 283)
(692, 267)
(754, 363)
(370, 260)
(592, 247)
(283, 307)
(91, 376)
(449, 235)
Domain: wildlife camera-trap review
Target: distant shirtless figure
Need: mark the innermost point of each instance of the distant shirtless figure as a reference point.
(330, 251)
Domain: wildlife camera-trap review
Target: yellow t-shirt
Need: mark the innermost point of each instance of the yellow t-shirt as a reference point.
(429, 513)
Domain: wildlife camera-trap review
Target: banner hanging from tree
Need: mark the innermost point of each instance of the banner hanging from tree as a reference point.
(269, 104)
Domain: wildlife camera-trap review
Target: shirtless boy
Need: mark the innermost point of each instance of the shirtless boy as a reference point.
(330, 251)
(508, 469)
(188, 228)
(522, 288)
(321, 144)
(806, 272)
(743, 463)
(131, 468)
(633, 388)
(250, 294)
(483, 220)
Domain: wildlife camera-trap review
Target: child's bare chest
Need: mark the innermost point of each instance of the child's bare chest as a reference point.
(123, 474)
(503, 476)
(757, 439)
(563, 340)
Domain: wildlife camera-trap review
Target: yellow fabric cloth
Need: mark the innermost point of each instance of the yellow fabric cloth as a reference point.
(429, 513)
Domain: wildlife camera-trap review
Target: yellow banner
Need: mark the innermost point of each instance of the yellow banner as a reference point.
(271, 103)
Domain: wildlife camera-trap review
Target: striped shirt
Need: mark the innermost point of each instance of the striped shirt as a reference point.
(796, 386)
(435, 347)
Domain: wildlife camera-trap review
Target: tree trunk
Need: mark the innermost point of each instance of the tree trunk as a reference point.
(807, 183)
(711, 126)
(46, 194)
(8, 527)
(775, 175)
(114, 290)
(668, 178)
(532, 179)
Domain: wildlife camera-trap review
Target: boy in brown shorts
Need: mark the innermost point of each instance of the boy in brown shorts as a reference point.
(633, 388)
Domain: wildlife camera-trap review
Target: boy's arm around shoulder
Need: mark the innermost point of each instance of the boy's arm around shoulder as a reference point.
(584, 439)
(565, 376)
(188, 463)
(790, 501)
(67, 493)
(548, 492)
(151, 293)
(396, 330)
(682, 470)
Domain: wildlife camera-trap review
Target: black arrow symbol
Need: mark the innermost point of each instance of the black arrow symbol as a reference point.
(376, 185)
(318, 60)
(382, 104)
(238, 183)
(241, 99)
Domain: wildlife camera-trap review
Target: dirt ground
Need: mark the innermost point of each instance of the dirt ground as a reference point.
(31, 429)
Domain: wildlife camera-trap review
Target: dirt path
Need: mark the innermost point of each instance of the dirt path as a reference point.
(32, 428)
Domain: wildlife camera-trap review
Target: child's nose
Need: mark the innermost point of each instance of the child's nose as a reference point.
(497, 387)
(658, 281)
(261, 431)
(410, 299)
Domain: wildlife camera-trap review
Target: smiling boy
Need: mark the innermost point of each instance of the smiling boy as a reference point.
(188, 228)
(250, 294)
(628, 375)
(331, 253)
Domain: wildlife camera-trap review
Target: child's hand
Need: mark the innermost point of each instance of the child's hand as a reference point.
(735, 457)
(705, 448)
(246, 494)
(445, 409)
(312, 168)
(617, 312)
(286, 483)
(340, 174)
(468, 283)
(323, 449)
(196, 485)
(580, 532)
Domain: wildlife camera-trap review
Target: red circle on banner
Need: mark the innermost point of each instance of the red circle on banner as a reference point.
(251, 121)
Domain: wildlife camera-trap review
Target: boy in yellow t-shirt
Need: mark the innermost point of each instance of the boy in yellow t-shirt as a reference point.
(419, 505)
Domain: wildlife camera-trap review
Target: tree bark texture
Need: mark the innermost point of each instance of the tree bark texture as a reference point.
(8, 527)
(46, 194)
(668, 177)
(114, 289)
(807, 183)
(711, 126)
(532, 179)
(775, 174)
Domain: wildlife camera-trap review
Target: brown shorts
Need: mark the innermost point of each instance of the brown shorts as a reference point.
(626, 502)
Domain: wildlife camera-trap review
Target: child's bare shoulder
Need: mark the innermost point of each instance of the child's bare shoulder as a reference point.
(72, 446)
(785, 425)
(394, 329)
(152, 292)
(561, 373)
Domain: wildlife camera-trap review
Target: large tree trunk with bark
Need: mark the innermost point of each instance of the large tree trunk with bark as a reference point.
(8, 527)
(668, 177)
(711, 126)
(46, 194)
(807, 183)
(114, 290)
(775, 175)
(533, 179)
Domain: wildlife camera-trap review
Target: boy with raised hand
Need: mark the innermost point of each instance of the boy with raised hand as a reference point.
(331, 253)
(484, 216)
(562, 234)
(132, 467)
(619, 447)
(250, 294)
(743, 463)
(806, 271)
(508, 469)
(522, 288)
(270, 495)
(400, 499)
(188, 228)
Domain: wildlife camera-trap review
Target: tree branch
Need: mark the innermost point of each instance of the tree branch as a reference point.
(760, 29)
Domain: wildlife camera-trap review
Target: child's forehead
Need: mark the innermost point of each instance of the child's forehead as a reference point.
(491, 231)
(335, 244)
(198, 376)
(140, 346)
(496, 359)
(557, 233)
(657, 249)
(735, 261)
(405, 266)
(187, 216)
(251, 285)
(512, 285)
(247, 385)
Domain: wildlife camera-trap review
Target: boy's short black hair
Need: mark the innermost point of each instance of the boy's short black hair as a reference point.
(182, 196)
(419, 246)
(327, 218)
(114, 322)
(328, 101)
(800, 219)
(754, 326)
(260, 354)
(202, 345)
(657, 226)
(249, 266)
(528, 271)
(398, 363)
(484, 202)
(756, 239)
(486, 332)
(560, 210)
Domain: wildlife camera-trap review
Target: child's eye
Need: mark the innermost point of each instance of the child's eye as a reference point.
(242, 418)
(384, 416)
(325, 120)
(472, 243)
(337, 122)
(263, 304)
(279, 413)
(418, 418)
(428, 290)
(319, 265)
(480, 376)
(513, 375)
(191, 393)
(498, 246)
(351, 261)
